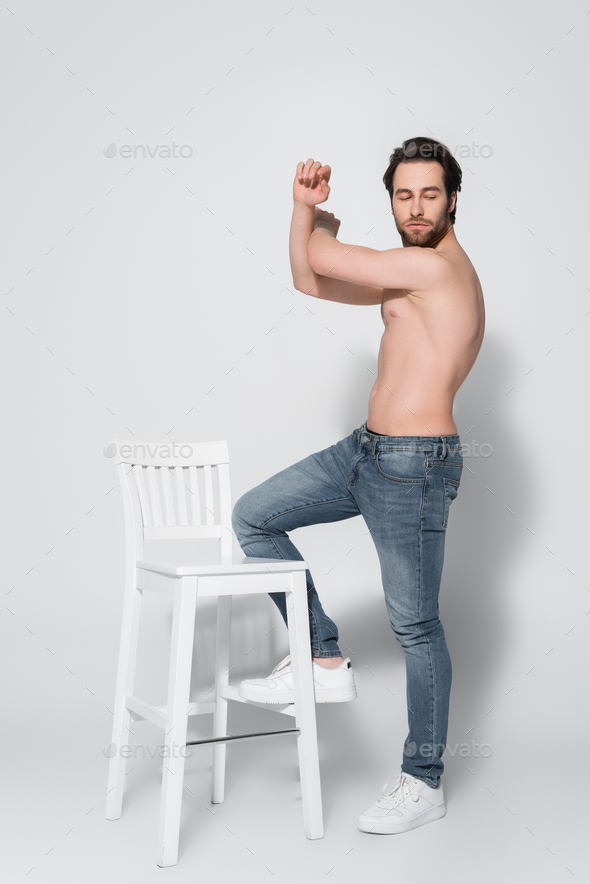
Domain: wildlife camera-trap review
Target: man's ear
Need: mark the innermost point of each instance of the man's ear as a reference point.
(452, 202)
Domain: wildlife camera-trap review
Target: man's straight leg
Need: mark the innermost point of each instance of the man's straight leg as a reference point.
(406, 486)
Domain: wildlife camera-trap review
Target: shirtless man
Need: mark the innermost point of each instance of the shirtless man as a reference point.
(401, 469)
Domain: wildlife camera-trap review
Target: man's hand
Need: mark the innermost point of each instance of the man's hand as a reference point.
(327, 220)
(311, 183)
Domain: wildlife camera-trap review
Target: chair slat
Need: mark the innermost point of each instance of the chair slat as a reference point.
(209, 500)
(140, 483)
(181, 494)
(195, 502)
(154, 495)
(166, 475)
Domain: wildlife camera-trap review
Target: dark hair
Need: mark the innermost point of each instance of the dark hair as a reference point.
(422, 149)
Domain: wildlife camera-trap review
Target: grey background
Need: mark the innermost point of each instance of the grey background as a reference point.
(151, 299)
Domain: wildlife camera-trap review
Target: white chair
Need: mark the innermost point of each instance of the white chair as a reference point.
(182, 491)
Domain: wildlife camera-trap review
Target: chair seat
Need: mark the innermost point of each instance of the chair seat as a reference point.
(230, 565)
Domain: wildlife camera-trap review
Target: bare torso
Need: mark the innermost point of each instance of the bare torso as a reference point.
(429, 345)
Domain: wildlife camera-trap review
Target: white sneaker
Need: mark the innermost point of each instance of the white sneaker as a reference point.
(331, 685)
(408, 804)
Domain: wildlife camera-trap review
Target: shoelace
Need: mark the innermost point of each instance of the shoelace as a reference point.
(403, 788)
(282, 665)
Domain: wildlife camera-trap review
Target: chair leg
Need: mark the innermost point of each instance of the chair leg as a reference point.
(122, 716)
(177, 709)
(224, 604)
(307, 744)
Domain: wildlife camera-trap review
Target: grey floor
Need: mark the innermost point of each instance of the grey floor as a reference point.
(511, 816)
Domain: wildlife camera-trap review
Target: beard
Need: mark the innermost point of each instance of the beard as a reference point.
(424, 236)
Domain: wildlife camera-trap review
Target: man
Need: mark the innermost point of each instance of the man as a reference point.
(401, 469)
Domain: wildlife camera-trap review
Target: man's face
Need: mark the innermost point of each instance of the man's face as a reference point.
(419, 198)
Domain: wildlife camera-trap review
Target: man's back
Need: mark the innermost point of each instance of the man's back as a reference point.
(429, 345)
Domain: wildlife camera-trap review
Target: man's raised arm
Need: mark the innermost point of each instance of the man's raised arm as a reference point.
(311, 188)
(412, 269)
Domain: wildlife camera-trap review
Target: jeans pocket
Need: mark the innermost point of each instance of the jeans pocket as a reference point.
(401, 464)
(451, 491)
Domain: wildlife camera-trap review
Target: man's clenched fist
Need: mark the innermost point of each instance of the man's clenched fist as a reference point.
(311, 183)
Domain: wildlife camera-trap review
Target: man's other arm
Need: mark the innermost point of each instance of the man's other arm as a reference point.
(412, 269)
(311, 283)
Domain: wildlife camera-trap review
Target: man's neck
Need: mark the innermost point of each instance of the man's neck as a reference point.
(447, 235)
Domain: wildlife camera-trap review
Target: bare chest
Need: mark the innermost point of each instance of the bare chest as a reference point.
(449, 321)
(398, 309)
(393, 301)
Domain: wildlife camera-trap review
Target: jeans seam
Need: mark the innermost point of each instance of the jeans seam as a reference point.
(429, 646)
(315, 636)
(426, 636)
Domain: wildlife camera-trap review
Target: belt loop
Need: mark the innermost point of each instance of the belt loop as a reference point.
(444, 448)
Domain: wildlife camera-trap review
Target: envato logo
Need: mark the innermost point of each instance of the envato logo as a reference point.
(466, 151)
(140, 750)
(465, 449)
(476, 449)
(464, 750)
(144, 151)
(140, 450)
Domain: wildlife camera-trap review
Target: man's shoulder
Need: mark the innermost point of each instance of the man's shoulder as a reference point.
(448, 262)
(443, 272)
(439, 264)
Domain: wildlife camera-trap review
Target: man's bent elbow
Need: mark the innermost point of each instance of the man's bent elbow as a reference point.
(306, 289)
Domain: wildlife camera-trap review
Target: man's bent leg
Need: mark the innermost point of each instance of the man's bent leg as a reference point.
(310, 492)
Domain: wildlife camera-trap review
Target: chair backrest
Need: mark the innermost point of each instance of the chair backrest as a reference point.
(174, 490)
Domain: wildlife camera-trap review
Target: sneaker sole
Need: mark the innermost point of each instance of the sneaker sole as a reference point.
(387, 826)
(322, 696)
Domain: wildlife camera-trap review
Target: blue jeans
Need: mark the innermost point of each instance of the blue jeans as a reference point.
(403, 487)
